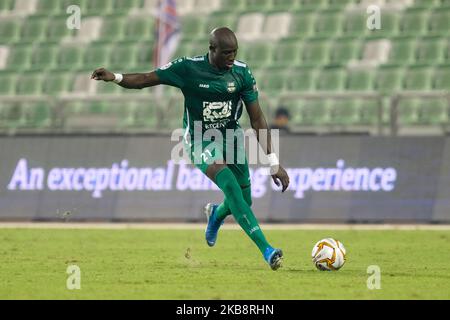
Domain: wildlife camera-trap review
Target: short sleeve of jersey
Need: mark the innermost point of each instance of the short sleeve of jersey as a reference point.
(249, 91)
(173, 73)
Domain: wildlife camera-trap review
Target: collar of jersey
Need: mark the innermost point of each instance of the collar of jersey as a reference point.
(215, 70)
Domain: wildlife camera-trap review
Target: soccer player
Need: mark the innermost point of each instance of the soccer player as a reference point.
(214, 87)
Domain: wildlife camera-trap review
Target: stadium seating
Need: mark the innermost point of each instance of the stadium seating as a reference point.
(331, 80)
(434, 112)
(441, 80)
(57, 30)
(301, 79)
(273, 80)
(287, 54)
(389, 80)
(44, 57)
(342, 51)
(359, 80)
(418, 79)
(293, 47)
(8, 83)
(310, 113)
(11, 116)
(345, 112)
(113, 28)
(57, 83)
(69, 57)
(19, 58)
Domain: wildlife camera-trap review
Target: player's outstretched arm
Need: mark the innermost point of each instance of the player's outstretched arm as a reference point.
(259, 123)
(128, 81)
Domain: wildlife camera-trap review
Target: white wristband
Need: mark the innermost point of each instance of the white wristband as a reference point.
(118, 77)
(273, 160)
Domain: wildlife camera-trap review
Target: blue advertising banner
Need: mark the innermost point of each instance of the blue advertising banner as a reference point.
(131, 178)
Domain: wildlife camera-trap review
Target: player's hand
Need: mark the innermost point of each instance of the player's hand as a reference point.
(281, 177)
(103, 74)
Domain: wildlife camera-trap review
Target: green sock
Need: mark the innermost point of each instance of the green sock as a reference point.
(240, 209)
(223, 210)
(247, 193)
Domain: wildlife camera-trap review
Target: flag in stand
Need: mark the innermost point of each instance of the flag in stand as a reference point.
(167, 32)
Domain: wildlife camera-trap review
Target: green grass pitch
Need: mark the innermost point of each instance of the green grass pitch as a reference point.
(177, 264)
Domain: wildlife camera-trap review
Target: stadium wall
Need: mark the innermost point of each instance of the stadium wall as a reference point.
(130, 178)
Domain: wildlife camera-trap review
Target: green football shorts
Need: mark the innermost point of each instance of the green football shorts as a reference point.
(229, 151)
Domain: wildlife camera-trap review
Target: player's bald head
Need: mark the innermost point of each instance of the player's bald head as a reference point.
(223, 38)
(223, 47)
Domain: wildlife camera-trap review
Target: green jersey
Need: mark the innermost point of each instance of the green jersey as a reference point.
(211, 96)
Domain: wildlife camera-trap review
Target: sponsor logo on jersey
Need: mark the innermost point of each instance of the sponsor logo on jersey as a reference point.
(231, 87)
(216, 125)
(205, 86)
(214, 111)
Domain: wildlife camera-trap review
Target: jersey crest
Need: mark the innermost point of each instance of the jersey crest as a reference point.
(231, 87)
